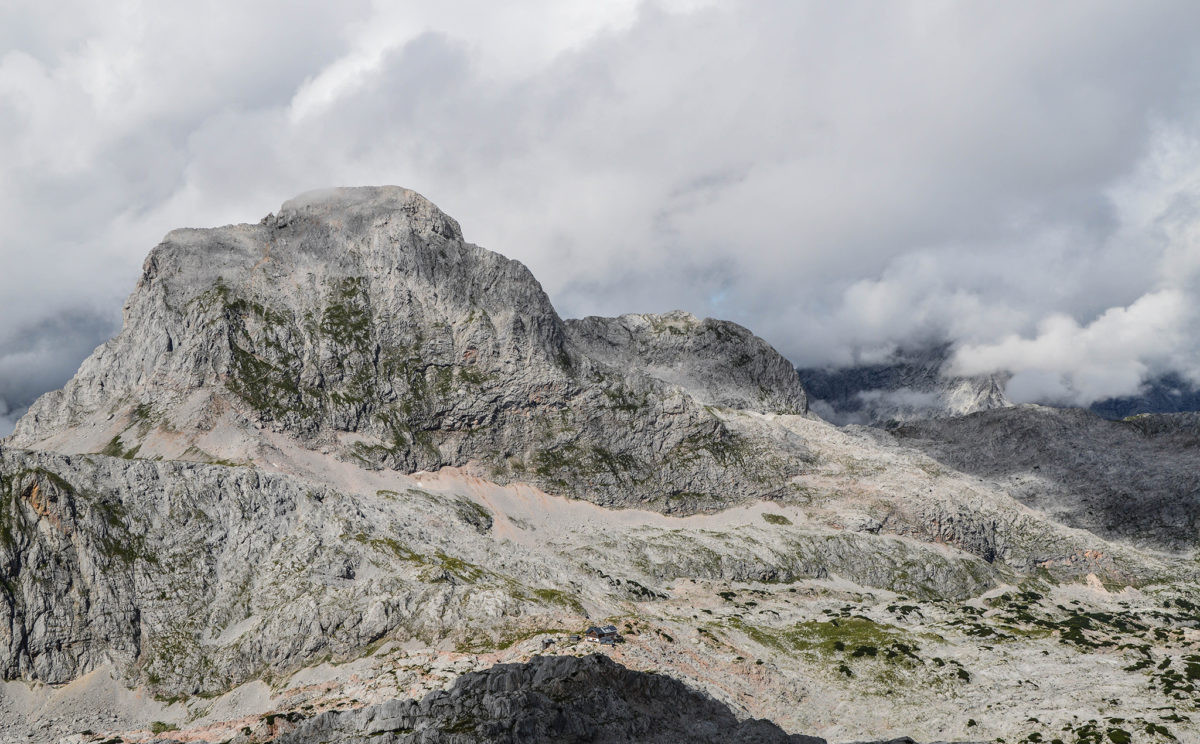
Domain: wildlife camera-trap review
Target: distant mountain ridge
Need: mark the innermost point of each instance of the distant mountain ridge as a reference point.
(911, 385)
(1166, 393)
(915, 384)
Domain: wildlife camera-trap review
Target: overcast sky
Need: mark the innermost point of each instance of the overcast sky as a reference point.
(1022, 178)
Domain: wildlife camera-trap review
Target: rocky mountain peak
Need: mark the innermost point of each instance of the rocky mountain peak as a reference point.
(338, 205)
(358, 321)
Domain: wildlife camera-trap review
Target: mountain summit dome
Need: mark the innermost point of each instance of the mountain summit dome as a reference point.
(358, 321)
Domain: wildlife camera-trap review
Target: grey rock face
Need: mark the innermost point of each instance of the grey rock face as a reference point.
(1138, 480)
(719, 362)
(359, 320)
(912, 385)
(68, 599)
(194, 578)
(865, 559)
(550, 699)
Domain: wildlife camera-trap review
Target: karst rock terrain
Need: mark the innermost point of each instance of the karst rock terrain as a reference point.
(343, 476)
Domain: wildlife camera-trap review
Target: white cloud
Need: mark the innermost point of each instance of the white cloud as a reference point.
(1155, 249)
(1073, 363)
(838, 177)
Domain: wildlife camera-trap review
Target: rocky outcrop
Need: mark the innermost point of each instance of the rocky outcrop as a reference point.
(68, 599)
(1178, 428)
(359, 320)
(718, 362)
(193, 578)
(549, 699)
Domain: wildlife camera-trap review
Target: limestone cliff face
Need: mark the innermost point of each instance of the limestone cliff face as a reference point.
(358, 320)
(193, 578)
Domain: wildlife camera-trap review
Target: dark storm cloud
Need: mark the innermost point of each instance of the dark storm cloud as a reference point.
(1020, 178)
(42, 356)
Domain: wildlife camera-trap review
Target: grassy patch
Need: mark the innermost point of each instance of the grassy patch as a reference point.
(389, 546)
(507, 638)
(836, 636)
(560, 598)
(116, 448)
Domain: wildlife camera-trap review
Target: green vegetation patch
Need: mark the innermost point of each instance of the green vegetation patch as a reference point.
(346, 319)
(727, 448)
(116, 448)
(505, 639)
(856, 646)
(560, 598)
(389, 546)
(458, 568)
(840, 636)
(570, 462)
(622, 398)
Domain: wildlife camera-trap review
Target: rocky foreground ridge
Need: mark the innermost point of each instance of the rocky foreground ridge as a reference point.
(550, 699)
(339, 465)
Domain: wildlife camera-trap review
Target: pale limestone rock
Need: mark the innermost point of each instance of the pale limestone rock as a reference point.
(359, 320)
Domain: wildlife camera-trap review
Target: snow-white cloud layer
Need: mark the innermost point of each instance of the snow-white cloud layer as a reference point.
(1019, 177)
